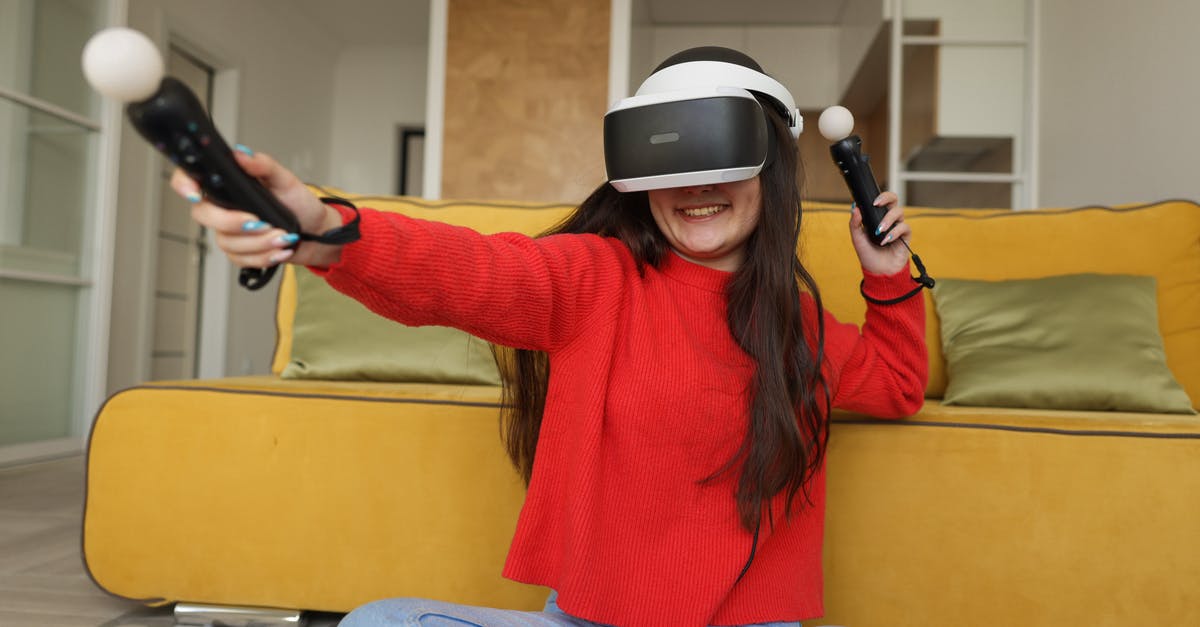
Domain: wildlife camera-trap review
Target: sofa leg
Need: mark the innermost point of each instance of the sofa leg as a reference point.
(199, 615)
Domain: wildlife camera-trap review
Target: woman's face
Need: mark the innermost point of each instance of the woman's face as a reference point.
(709, 224)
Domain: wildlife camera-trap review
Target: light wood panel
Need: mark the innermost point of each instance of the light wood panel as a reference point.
(526, 91)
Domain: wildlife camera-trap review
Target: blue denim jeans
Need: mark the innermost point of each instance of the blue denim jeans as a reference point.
(426, 613)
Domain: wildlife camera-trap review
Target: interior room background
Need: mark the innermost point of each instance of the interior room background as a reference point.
(104, 285)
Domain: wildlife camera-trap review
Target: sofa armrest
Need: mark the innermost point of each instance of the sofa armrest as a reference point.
(312, 495)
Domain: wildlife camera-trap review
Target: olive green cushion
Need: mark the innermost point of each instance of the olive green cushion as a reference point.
(1082, 341)
(335, 337)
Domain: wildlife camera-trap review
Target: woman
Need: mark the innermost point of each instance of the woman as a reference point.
(669, 400)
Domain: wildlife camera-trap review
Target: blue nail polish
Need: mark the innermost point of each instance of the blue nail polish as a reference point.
(244, 150)
(193, 197)
(290, 238)
(254, 225)
(879, 229)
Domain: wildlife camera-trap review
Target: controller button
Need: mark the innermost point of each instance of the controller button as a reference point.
(190, 159)
(193, 127)
(204, 140)
(184, 143)
(216, 180)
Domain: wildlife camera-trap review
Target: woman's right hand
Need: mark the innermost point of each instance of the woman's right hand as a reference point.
(245, 239)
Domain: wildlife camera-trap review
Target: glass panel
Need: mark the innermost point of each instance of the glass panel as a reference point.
(973, 19)
(37, 360)
(40, 47)
(959, 195)
(43, 189)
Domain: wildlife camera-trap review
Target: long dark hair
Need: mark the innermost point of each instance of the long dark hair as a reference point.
(787, 431)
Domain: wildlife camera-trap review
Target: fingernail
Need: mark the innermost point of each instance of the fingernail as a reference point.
(254, 225)
(290, 238)
(879, 229)
(193, 197)
(282, 255)
(244, 150)
(887, 239)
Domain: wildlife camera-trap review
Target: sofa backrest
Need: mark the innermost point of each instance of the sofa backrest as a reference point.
(1160, 240)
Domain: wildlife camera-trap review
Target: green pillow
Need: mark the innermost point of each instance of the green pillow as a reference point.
(1082, 341)
(335, 337)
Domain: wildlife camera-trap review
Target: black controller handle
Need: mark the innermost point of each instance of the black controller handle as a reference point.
(856, 169)
(176, 124)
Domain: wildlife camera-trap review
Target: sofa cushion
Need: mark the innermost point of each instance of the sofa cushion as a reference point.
(334, 337)
(1157, 240)
(1084, 341)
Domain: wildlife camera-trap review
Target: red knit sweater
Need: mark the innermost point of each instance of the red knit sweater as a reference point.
(648, 397)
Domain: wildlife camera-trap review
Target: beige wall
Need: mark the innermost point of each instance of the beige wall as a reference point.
(285, 107)
(1119, 101)
(379, 88)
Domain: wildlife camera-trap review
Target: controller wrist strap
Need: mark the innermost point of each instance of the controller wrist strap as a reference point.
(343, 234)
(923, 281)
(255, 278)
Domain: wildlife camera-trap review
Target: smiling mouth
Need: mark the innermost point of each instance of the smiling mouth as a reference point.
(703, 212)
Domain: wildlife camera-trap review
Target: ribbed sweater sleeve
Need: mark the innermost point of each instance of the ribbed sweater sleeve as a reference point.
(883, 370)
(506, 288)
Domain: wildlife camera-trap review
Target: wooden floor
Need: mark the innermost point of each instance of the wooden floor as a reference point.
(42, 579)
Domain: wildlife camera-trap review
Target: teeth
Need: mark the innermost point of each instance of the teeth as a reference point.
(699, 212)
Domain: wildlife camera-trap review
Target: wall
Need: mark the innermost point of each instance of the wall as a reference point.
(641, 45)
(1118, 101)
(285, 105)
(861, 20)
(379, 88)
(803, 58)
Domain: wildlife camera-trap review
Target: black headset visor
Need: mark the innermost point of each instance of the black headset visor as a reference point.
(692, 141)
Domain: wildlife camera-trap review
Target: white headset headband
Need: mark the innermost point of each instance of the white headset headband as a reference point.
(722, 74)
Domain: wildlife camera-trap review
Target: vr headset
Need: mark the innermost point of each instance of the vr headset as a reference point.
(694, 123)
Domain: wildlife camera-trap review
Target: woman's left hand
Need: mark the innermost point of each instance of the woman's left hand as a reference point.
(892, 256)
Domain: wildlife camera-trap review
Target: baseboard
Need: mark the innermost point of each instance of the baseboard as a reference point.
(15, 454)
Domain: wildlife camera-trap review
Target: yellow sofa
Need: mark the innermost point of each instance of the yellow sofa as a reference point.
(322, 495)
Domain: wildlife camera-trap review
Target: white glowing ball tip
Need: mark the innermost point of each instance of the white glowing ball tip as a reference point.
(836, 123)
(123, 64)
